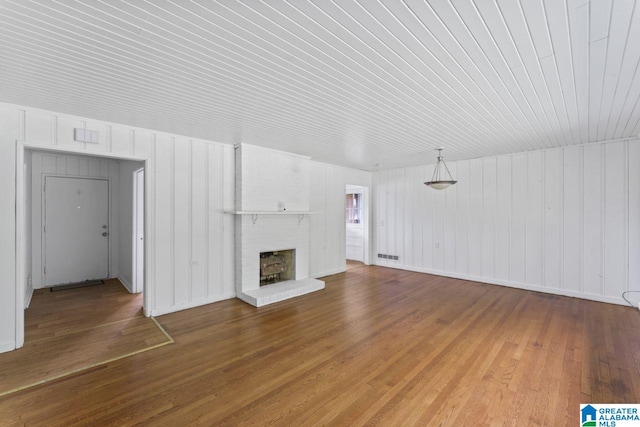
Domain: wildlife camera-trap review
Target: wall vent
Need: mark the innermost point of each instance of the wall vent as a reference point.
(385, 256)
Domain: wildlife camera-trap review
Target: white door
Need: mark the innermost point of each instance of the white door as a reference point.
(138, 233)
(76, 230)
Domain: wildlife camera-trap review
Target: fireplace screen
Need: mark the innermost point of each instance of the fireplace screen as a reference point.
(277, 266)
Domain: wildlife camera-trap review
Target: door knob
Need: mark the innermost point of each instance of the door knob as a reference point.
(105, 234)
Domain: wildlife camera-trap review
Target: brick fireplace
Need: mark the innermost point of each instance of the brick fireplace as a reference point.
(272, 216)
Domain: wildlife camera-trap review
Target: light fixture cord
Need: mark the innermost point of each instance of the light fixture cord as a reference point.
(438, 167)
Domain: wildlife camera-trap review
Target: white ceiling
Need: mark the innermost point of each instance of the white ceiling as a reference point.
(348, 82)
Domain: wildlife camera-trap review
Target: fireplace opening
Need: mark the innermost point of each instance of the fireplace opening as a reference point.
(277, 266)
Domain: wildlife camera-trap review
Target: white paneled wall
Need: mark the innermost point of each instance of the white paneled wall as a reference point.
(328, 184)
(193, 238)
(564, 221)
(188, 185)
(10, 131)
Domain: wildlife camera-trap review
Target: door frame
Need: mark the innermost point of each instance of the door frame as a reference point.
(21, 244)
(138, 175)
(366, 220)
(43, 216)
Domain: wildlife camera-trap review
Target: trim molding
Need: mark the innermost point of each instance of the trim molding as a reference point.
(184, 306)
(27, 297)
(126, 284)
(517, 285)
(328, 273)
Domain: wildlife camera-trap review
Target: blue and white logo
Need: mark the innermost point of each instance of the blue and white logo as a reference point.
(603, 415)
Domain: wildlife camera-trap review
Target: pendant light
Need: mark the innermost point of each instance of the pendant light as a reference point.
(441, 178)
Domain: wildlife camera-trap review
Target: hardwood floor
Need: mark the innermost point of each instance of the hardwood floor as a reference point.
(377, 346)
(354, 264)
(74, 330)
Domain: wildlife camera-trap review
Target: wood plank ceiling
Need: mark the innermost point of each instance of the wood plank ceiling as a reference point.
(354, 83)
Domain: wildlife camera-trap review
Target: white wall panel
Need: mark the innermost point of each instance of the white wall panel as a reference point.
(142, 143)
(9, 132)
(462, 232)
(400, 213)
(163, 208)
(534, 222)
(562, 220)
(518, 245)
(632, 218)
(615, 245)
(198, 229)
(552, 219)
(327, 249)
(214, 172)
(450, 224)
(489, 197)
(225, 241)
(391, 223)
(381, 191)
(407, 211)
(503, 217)
(119, 138)
(475, 217)
(181, 221)
(418, 209)
(593, 209)
(317, 235)
(427, 222)
(572, 218)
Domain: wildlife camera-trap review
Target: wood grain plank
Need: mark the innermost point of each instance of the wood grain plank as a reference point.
(377, 346)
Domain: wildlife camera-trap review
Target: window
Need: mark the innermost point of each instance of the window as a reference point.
(354, 208)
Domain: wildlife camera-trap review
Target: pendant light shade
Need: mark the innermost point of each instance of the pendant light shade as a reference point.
(441, 178)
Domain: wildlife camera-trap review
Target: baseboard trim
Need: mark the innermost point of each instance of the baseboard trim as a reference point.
(517, 285)
(126, 284)
(328, 273)
(27, 298)
(187, 305)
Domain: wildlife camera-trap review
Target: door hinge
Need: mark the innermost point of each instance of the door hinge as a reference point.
(44, 229)
(45, 270)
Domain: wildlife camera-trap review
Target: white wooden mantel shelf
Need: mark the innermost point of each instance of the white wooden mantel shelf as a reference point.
(255, 214)
(271, 212)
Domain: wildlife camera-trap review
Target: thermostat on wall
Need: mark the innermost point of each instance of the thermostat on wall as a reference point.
(86, 135)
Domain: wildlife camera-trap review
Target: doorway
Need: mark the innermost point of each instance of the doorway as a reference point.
(41, 162)
(75, 235)
(356, 225)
